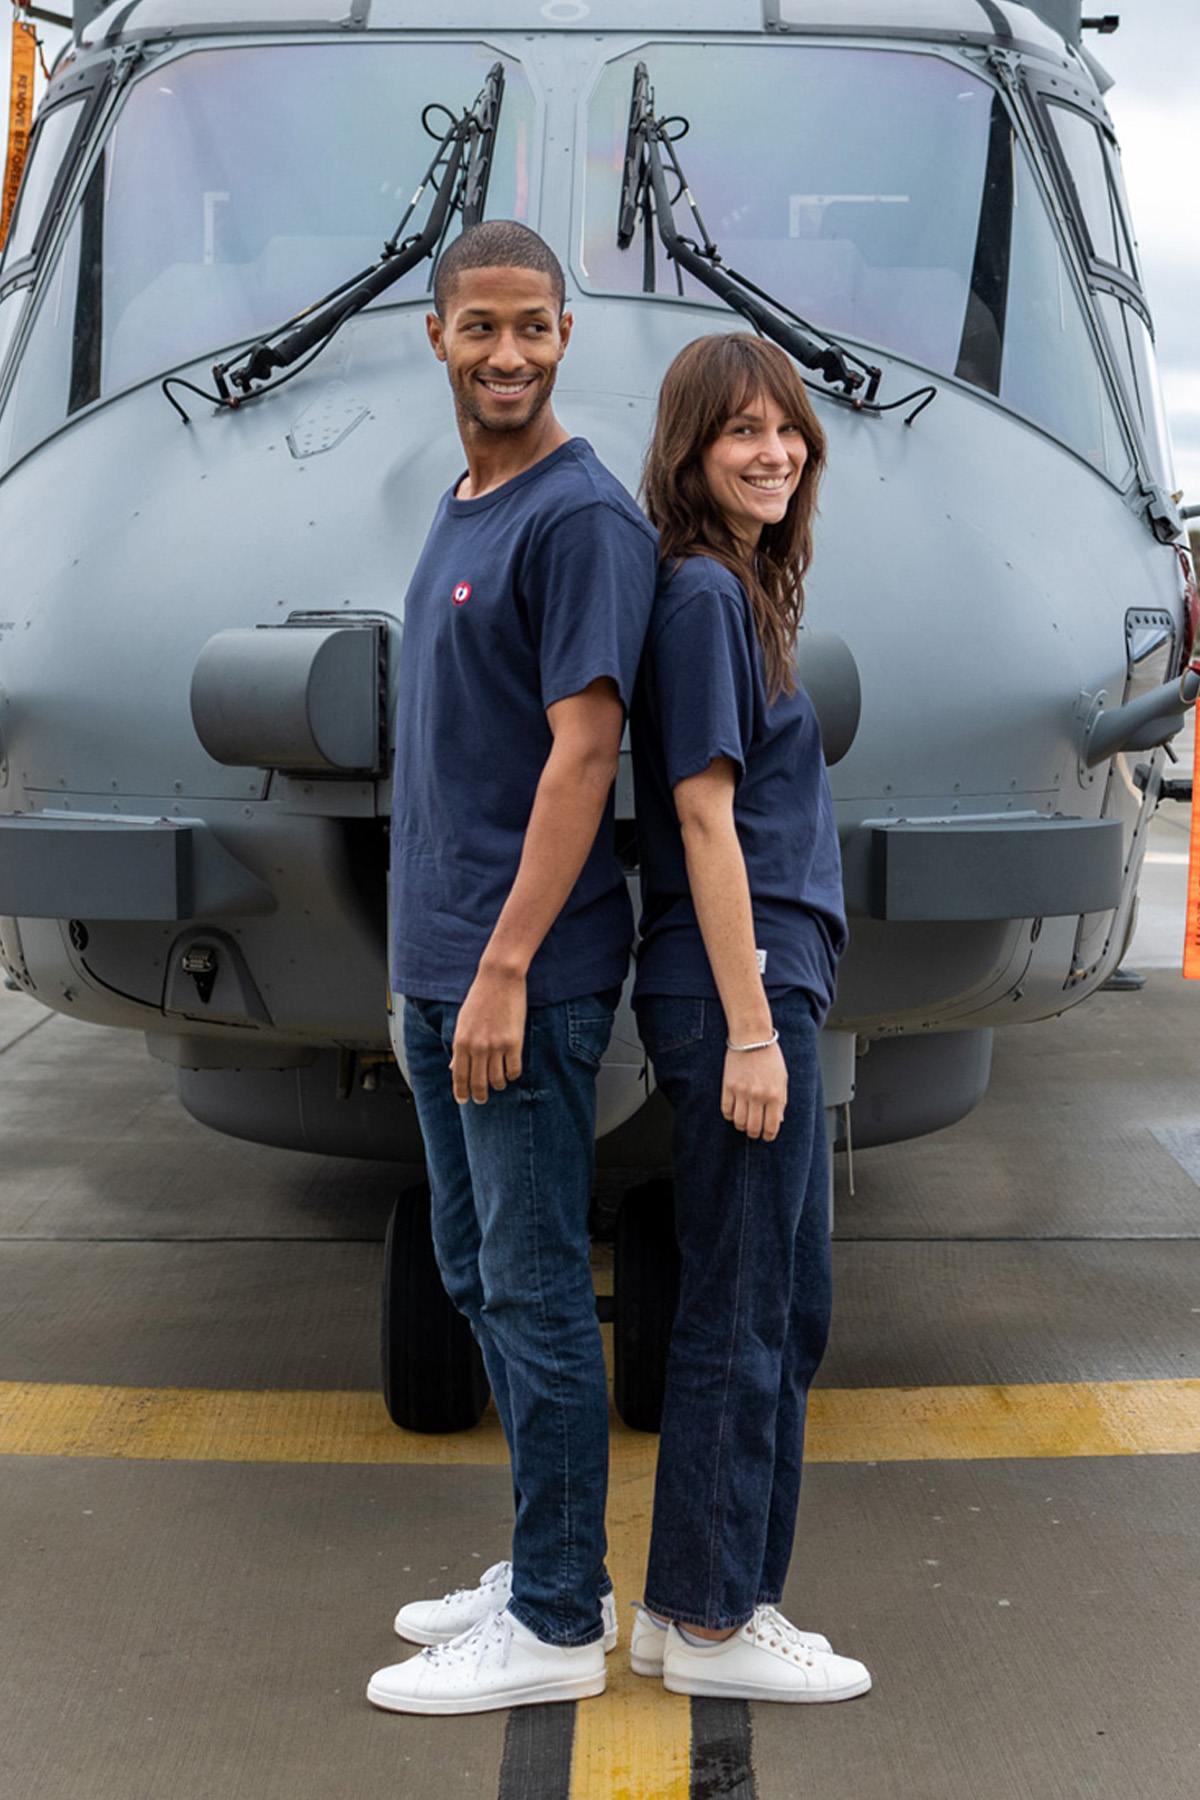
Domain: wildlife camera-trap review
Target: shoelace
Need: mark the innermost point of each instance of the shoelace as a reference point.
(497, 1573)
(472, 1645)
(771, 1628)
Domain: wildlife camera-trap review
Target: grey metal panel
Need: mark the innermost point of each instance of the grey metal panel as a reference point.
(300, 1107)
(84, 12)
(906, 1087)
(590, 16)
(52, 867)
(295, 697)
(1062, 16)
(152, 17)
(935, 21)
(1001, 868)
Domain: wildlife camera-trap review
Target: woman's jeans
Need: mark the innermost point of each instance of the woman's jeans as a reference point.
(752, 1220)
(510, 1184)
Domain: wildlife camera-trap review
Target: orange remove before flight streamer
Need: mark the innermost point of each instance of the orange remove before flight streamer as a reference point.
(1191, 938)
(20, 115)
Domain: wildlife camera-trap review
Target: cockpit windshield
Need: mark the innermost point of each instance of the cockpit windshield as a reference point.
(241, 184)
(846, 182)
(880, 194)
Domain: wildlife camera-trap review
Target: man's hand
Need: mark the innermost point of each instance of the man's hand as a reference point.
(754, 1091)
(489, 1036)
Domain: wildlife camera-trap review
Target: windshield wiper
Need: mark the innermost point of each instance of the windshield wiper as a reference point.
(458, 174)
(649, 150)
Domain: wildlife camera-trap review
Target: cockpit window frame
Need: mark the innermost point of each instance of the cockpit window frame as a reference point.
(93, 85)
(84, 90)
(1040, 94)
(1103, 267)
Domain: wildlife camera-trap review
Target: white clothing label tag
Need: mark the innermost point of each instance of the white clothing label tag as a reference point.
(762, 961)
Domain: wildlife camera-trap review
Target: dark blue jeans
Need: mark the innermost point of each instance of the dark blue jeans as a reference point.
(510, 1182)
(752, 1220)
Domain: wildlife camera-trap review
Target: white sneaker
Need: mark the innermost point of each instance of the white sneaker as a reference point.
(497, 1663)
(765, 1660)
(437, 1621)
(647, 1640)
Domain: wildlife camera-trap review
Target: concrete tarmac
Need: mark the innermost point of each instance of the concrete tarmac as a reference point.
(187, 1619)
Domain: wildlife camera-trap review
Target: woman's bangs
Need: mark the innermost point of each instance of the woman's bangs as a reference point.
(762, 372)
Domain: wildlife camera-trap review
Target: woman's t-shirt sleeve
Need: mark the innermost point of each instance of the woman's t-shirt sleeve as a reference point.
(702, 683)
(589, 591)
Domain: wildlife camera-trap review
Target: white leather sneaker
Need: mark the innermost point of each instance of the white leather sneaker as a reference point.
(766, 1660)
(647, 1641)
(497, 1663)
(437, 1621)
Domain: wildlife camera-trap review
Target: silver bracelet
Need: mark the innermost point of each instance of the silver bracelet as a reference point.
(765, 1045)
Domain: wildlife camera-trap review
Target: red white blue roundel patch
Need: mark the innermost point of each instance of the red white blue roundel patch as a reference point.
(462, 593)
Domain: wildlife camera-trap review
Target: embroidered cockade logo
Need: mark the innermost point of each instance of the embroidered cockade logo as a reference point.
(461, 594)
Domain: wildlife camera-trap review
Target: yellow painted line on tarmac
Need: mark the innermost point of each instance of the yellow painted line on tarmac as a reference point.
(224, 1425)
(1035, 1419)
(635, 1741)
(847, 1425)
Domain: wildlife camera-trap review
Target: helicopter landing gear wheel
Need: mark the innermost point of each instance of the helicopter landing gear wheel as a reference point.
(433, 1375)
(645, 1296)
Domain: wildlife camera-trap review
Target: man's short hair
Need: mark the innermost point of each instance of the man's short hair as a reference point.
(496, 244)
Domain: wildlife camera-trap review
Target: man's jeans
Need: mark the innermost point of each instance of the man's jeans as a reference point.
(511, 1181)
(752, 1220)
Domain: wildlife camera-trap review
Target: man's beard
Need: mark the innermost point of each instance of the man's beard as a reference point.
(469, 407)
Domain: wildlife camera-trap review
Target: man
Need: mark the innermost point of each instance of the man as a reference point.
(510, 940)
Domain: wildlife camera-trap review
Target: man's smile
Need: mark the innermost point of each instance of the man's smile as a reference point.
(506, 388)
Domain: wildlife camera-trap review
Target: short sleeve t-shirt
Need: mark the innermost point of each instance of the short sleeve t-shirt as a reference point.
(701, 694)
(520, 598)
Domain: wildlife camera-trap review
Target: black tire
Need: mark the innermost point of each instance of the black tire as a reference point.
(433, 1375)
(645, 1296)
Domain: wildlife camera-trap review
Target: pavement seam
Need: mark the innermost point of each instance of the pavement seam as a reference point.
(28, 1032)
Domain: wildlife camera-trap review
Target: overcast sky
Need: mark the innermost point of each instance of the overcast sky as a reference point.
(1155, 59)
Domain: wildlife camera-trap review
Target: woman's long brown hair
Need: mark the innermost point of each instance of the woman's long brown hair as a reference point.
(710, 381)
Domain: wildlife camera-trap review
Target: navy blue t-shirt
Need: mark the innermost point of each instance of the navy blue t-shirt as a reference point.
(701, 694)
(521, 598)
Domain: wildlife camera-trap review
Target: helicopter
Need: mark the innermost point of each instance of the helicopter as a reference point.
(222, 438)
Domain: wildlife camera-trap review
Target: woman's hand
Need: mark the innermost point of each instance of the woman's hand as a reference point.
(754, 1091)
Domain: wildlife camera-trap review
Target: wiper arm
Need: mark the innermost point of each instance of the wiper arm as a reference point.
(479, 158)
(644, 191)
(458, 173)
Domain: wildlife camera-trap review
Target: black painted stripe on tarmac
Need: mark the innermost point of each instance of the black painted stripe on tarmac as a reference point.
(538, 1741)
(537, 1752)
(722, 1751)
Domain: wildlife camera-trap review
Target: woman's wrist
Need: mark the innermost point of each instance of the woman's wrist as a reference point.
(766, 1043)
(750, 1027)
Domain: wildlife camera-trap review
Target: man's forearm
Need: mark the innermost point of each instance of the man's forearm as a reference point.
(567, 809)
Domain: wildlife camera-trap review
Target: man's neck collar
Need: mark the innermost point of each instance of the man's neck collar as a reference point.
(494, 457)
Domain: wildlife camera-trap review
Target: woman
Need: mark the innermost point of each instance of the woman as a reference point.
(743, 924)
